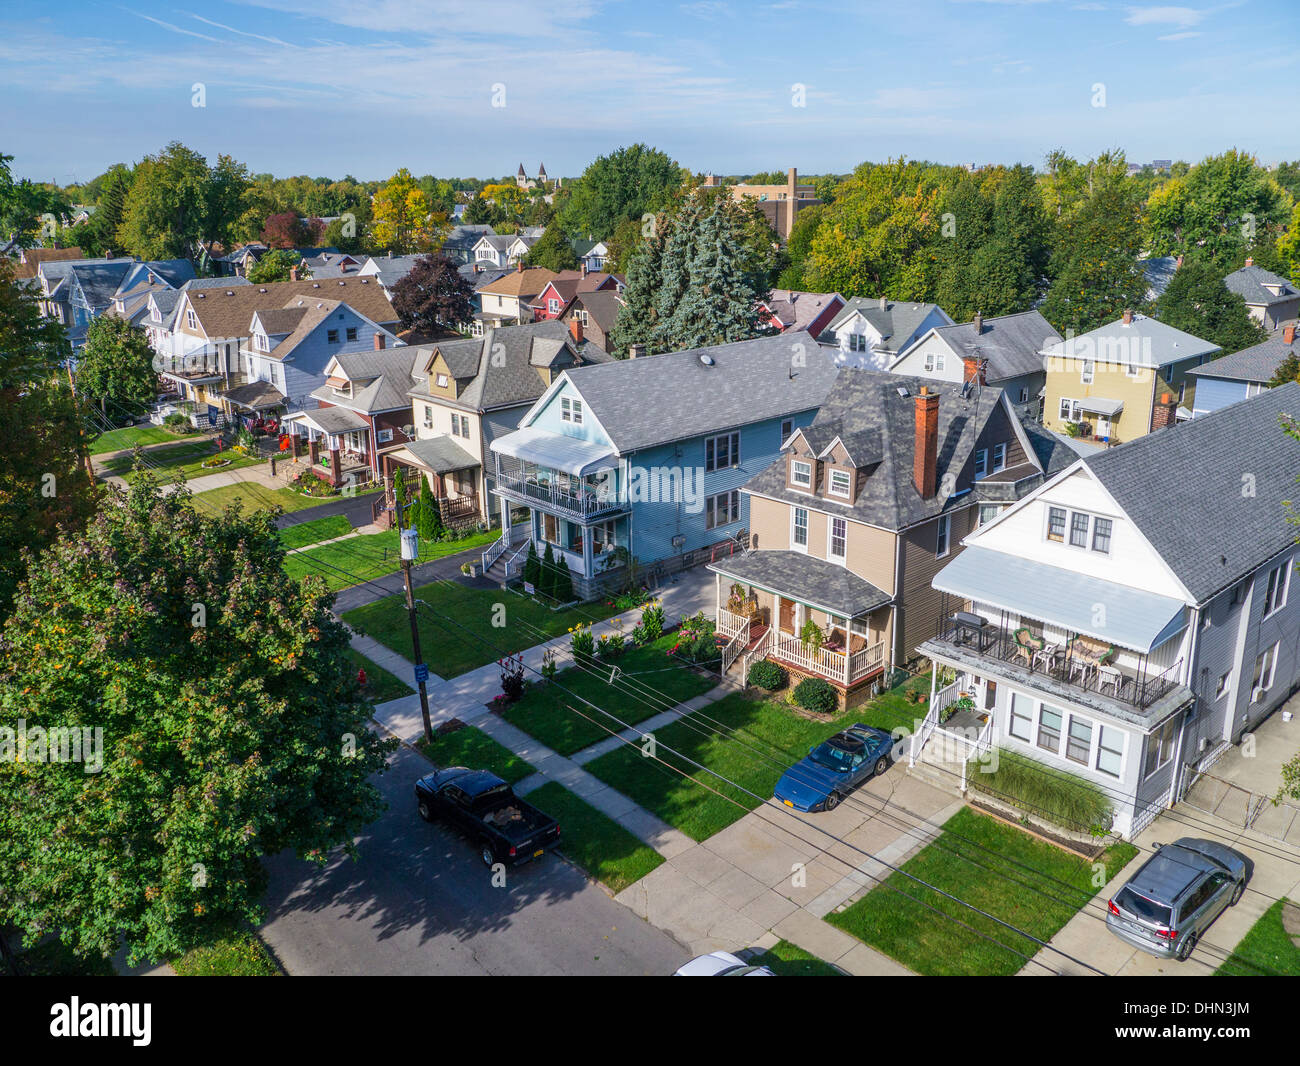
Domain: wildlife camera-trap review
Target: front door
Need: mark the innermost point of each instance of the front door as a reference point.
(787, 616)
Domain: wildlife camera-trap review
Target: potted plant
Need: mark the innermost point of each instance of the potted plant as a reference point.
(811, 636)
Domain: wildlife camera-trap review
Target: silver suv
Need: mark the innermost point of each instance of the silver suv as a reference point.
(1166, 906)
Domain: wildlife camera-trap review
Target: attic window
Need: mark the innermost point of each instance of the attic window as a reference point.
(800, 473)
(902, 391)
(841, 484)
(442, 381)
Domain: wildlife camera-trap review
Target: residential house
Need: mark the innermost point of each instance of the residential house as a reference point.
(30, 259)
(643, 459)
(1270, 299)
(596, 312)
(508, 300)
(1243, 374)
(458, 245)
(1123, 379)
(77, 291)
(858, 513)
(1131, 618)
(871, 334)
(591, 254)
(1003, 351)
(502, 251)
(362, 410)
(787, 310)
(561, 289)
(206, 348)
(780, 204)
(465, 393)
(330, 264)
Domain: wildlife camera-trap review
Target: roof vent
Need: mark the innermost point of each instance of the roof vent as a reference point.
(261, 290)
(201, 295)
(706, 359)
(902, 391)
(230, 292)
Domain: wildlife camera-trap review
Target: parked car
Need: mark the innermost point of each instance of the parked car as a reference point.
(1167, 905)
(486, 809)
(834, 768)
(722, 964)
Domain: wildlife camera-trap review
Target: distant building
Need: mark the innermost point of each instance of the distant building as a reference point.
(781, 204)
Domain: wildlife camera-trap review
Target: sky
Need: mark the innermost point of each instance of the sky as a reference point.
(459, 89)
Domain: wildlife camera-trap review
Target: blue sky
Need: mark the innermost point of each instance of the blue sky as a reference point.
(328, 87)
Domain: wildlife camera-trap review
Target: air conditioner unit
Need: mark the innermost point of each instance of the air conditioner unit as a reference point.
(1205, 743)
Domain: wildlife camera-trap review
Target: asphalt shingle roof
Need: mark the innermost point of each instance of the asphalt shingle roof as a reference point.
(1012, 344)
(895, 322)
(657, 399)
(1145, 341)
(806, 578)
(1183, 488)
(1250, 281)
(1256, 363)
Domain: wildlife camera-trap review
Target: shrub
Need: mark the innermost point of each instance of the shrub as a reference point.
(582, 643)
(768, 675)
(814, 694)
(1056, 796)
(532, 566)
(563, 590)
(546, 582)
(652, 622)
(512, 677)
(611, 646)
(177, 420)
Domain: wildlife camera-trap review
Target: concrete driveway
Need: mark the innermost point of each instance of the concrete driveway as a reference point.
(419, 901)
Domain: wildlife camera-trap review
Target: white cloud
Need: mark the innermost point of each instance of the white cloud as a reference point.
(243, 33)
(1179, 36)
(169, 26)
(1182, 17)
(708, 10)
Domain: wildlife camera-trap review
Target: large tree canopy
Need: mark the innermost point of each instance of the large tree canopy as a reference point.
(1198, 302)
(402, 220)
(433, 296)
(231, 722)
(116, 365)
(623, 185)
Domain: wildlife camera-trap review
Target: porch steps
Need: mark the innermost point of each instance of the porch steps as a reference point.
(942, 774)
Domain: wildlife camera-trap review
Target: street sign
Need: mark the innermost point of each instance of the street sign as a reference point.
(421, 673)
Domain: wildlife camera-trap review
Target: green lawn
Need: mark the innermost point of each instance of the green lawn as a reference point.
(544, 711)
(188, 457)
(897, 916)
(759, 741)
(313, 532)
(790, 960)
(471, 639)
(381, 686)
(1265, 951)
(118, 439)
(242, 955)
(593, 840)
(473, 748)
(349, 562)
(254, 497)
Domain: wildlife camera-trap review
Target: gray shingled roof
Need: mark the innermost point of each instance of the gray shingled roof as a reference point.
(1012, 344)
(441, 454)
(808, 579)
(658, 399)
(868, 401)
(895, 323)
(601, 306)
(1249, 283)
(797, 309)
(1183, 488)
(1256, 363)
(1145, 341)
(387, 375)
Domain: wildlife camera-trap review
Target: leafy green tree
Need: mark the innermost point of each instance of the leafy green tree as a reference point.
(1287, 372)
(28, 209)
(230, 718)
(552, 251)
(638, 317)
(1198, 302)
(402, 220)
(228, 181)
(275, 265)
(806, 225)
(400, 513)
(342, 234)
(624, 185)
(98, 235)
(116, 365)
(167, 208)
(434, 296)
(1288, 248)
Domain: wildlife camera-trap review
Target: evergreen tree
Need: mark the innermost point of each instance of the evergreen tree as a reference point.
(399, 499)
(563, 582)
(546, 580)
(637, 316)
(532, 565)
(719, 304)
(429, 517)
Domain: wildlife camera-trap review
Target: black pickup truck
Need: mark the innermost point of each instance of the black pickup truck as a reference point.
(485, 808)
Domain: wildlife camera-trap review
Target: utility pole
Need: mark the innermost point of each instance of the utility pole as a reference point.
(410, 548)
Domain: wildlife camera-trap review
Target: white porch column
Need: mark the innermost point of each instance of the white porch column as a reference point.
(505, 521)
(717, 597)
(587, 568)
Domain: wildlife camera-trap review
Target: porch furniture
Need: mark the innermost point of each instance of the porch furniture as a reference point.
(1083, 669)
(1111, 676)
(969, 626)
(834, 640)
(1027, 644)
(857, 642)
(1046, 656)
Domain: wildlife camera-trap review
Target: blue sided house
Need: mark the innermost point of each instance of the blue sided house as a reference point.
(1242, 374)
(643, 459)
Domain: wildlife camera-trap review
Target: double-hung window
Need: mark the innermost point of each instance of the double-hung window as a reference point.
(800, 473)
(570, 410)
(943, 529)
(799, 532)
(351, 333)
(999, 457)
(1279, 578)
(332, 336)
(1022, 717)
(841, 483)
(1079, 529)
(1056, 524)
(981, 463)
(1101, 528)
(428, 417)
(1086, 371)
(1110, 750)
(1160, 747)
(721, 509)
(837, 547)
(1049, 730)
(1078, 742)
(722, 452)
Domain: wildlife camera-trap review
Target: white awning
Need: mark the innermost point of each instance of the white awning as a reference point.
(556, 451)
(1076, 602)
(1098, 406)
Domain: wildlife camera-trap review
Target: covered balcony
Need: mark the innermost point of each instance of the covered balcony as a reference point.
(1051, 628)
(563, 475)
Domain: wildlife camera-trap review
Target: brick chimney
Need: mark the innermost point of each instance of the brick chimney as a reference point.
(884, 303)
(978, 323)
(635, 351)
(575, 329)
(974, 369)
(293, 273)
(925, 458)
(584, 268)
(1288, 333)
(1165, 412)
(1250, 262)
(379, 341)
(1128, 316)
(519, 266)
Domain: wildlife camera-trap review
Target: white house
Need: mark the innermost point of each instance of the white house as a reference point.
(872, 333)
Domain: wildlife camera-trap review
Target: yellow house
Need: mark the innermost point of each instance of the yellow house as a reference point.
(1122, 380)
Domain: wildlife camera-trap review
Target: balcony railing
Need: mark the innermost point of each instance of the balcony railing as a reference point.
(557, 494)
(844, 667)
(1074, 663)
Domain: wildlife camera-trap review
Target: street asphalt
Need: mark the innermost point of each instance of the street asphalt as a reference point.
(418, 900)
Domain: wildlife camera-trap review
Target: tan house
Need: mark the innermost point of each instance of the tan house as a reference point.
(508, 300)
(863, 508)
(1122, 380)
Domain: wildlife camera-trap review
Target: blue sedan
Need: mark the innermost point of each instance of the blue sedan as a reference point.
(834, 768)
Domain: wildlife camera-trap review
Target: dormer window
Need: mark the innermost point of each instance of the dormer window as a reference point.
(801, 473)
(840, 484)
(263, 343)
(442, 381)
(999, 457)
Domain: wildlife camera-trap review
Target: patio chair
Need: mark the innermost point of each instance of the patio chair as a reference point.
(1027, 644)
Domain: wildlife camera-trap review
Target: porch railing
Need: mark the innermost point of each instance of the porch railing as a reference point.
(1068, 666)
(834, 665)
(930, 722)
(515, 564)
(757, 653)
(730, 624)
(494, 552)
(550, 495)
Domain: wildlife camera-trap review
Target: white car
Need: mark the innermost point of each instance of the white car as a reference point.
(722, 964)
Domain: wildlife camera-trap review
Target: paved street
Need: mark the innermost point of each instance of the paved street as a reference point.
(419, 901)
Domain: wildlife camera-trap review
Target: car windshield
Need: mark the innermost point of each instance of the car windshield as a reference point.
(831, 757)
(1141, 907)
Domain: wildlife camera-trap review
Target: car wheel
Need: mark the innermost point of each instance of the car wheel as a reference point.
(1237, 893)
(882, 764)
(426, 812)
(487, 855)
(832, 801)
(1187, 947)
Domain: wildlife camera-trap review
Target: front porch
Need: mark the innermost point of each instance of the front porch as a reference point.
(337, 445)
(451, 472)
